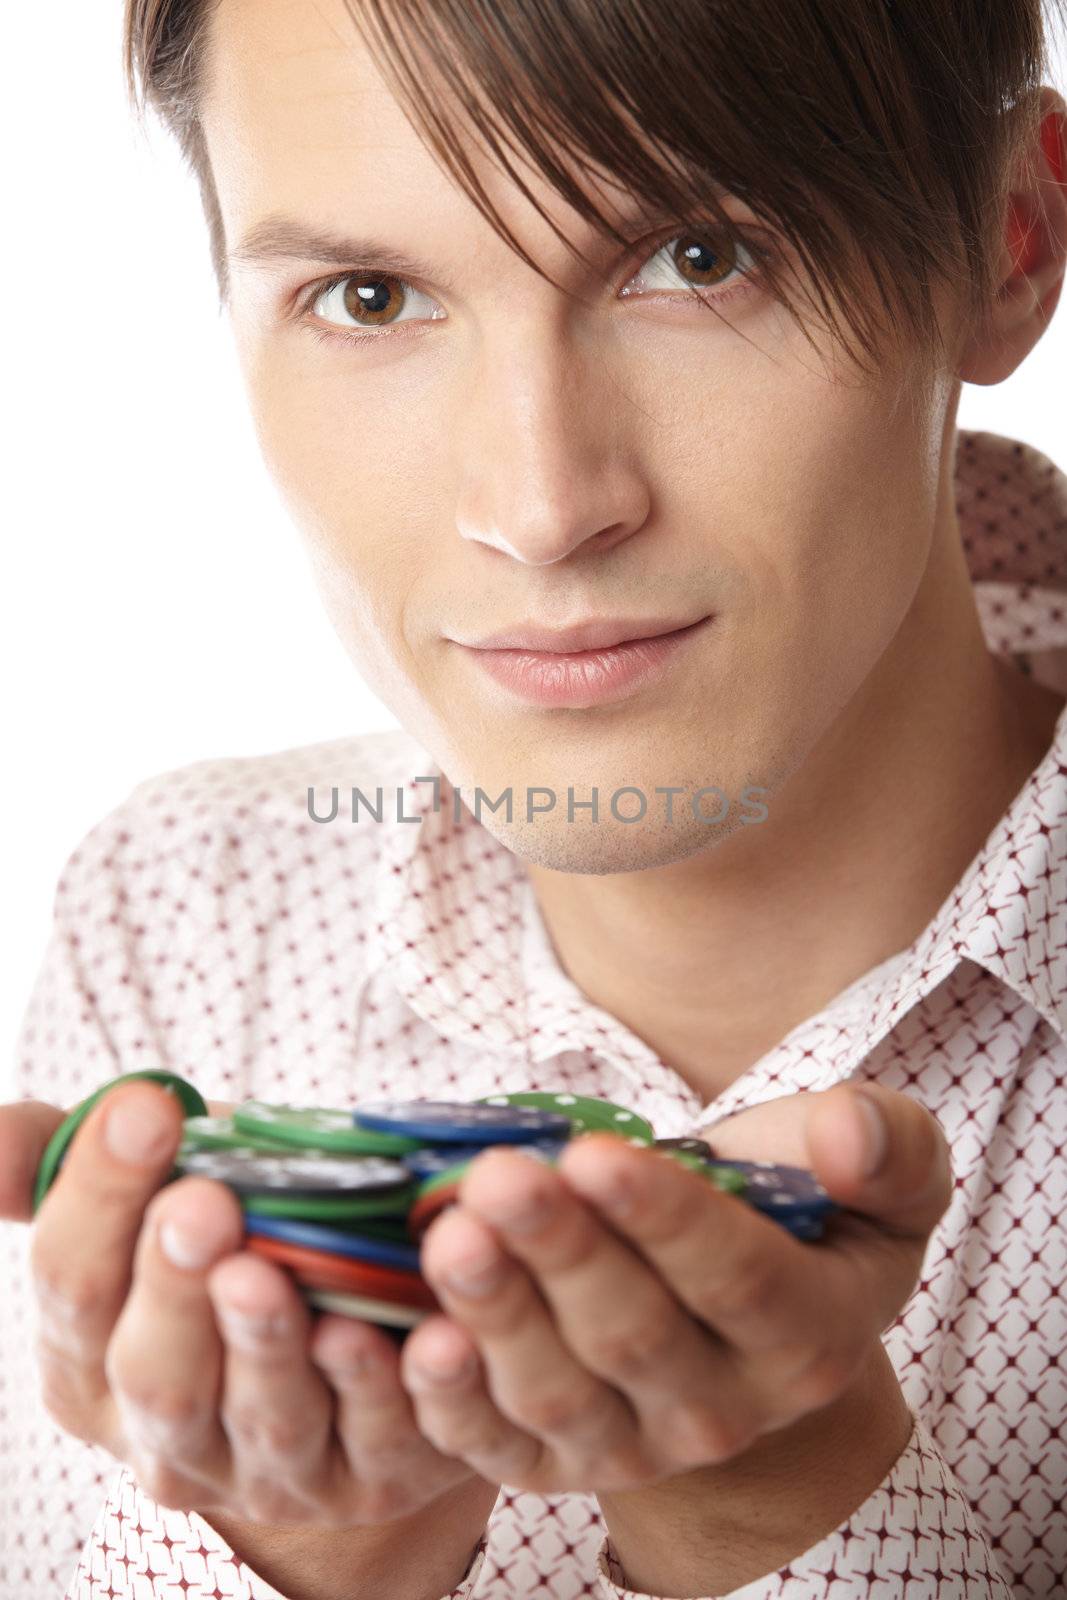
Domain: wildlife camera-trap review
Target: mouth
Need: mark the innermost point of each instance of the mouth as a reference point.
(584, 677)
(596, 633)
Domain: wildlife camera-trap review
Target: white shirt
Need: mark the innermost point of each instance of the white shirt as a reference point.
(210, 926)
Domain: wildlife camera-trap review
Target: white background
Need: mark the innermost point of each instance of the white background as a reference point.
(158, 608)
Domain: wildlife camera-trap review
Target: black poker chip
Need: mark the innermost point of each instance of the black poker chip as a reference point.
(301, 1172)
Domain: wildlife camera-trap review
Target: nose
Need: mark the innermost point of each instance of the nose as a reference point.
(552, 536)
(549, 470)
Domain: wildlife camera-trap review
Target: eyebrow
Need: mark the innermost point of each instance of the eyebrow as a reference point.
(278, 238)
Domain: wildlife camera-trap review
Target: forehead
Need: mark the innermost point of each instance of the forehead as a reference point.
(300, 122)
(295, 107)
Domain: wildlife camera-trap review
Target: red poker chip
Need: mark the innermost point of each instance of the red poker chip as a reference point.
(318, 1269)
(431, 1205)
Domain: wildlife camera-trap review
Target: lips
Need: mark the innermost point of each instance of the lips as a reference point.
(584, 678)
(594, 634)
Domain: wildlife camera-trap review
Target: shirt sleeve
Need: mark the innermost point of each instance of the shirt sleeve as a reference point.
(916, 1534)
(141, 1550)
(68, 1043)
(92, 1014)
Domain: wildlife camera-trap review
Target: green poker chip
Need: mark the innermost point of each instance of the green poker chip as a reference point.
(724, 1177)
(453, 1174)
(587, 1114)
(192, 1102)
(317, 1128)
(222, 1133)
(329, 1208)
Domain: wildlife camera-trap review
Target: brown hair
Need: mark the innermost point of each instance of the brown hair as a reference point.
(874, 137)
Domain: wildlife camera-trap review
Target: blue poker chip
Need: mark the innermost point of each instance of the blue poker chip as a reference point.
(793, 1197)
(804, 1226)
(460, 1122)
(338, 1242)
(780, 1191)
(429, 1163)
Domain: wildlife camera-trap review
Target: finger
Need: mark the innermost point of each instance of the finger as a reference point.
(275, 1408)
(442, 1370)
(617, 1311)
(391, 1466)
(911, 1182)
(25, 1129)
(794, 1327)
(534, 1378)
(164, 1361)
(83, 1245)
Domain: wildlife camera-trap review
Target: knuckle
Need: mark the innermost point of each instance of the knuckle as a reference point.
(459, 1432)
(62, 1390)
(67, 1290)
(262, 1433)
(269, 1501)
(698, 1433)
(821, 1379)
(624, 1466)
(751, 1288)
(636, 1347)
(385, 1500)
(548, 1411)
(159, 1410)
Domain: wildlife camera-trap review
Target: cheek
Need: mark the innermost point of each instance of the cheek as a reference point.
(341, 495)
(835, 545)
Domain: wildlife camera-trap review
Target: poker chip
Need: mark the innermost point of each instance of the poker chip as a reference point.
(315, 1236)
(428, 1206)
(461, 1122)
(222, 1133)
(322, 1269)
(318, 1128)
(586, 1113)
(690, 1145)
(307, 1172)
(779, 1190)
(343, 1198)
(362, 1307)
(351, 1208)
(722, 1174)
(442, 1188)
(430, 1163)
(192, 1102)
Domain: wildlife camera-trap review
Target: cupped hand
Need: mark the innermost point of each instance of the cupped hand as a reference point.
(190, 1359)
(638, 1323)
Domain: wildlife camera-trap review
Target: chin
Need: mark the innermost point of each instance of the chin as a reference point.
(609, 846)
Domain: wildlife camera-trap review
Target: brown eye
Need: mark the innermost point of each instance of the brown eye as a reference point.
(701, 263)
(368, 300)
(373, 301)
(695, 261)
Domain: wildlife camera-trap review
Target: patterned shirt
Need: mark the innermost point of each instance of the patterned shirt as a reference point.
(209, 925)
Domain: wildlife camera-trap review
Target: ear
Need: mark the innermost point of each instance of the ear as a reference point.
(1033, 254)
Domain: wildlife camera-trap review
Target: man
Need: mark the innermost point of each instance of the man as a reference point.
(792, 536)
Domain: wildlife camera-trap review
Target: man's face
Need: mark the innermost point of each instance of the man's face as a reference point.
(498, 454)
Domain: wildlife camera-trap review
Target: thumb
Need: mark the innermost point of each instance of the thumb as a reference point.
(25, 1129)
(883, 1154)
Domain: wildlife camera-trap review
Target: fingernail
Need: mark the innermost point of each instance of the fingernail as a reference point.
(477, 1276)
(249, 1329)
(190, 1248)
(138, 1130)
(877, 1140)
(442, 1370)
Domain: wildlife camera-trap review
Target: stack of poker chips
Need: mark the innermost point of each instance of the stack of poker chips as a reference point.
(342, 1198)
